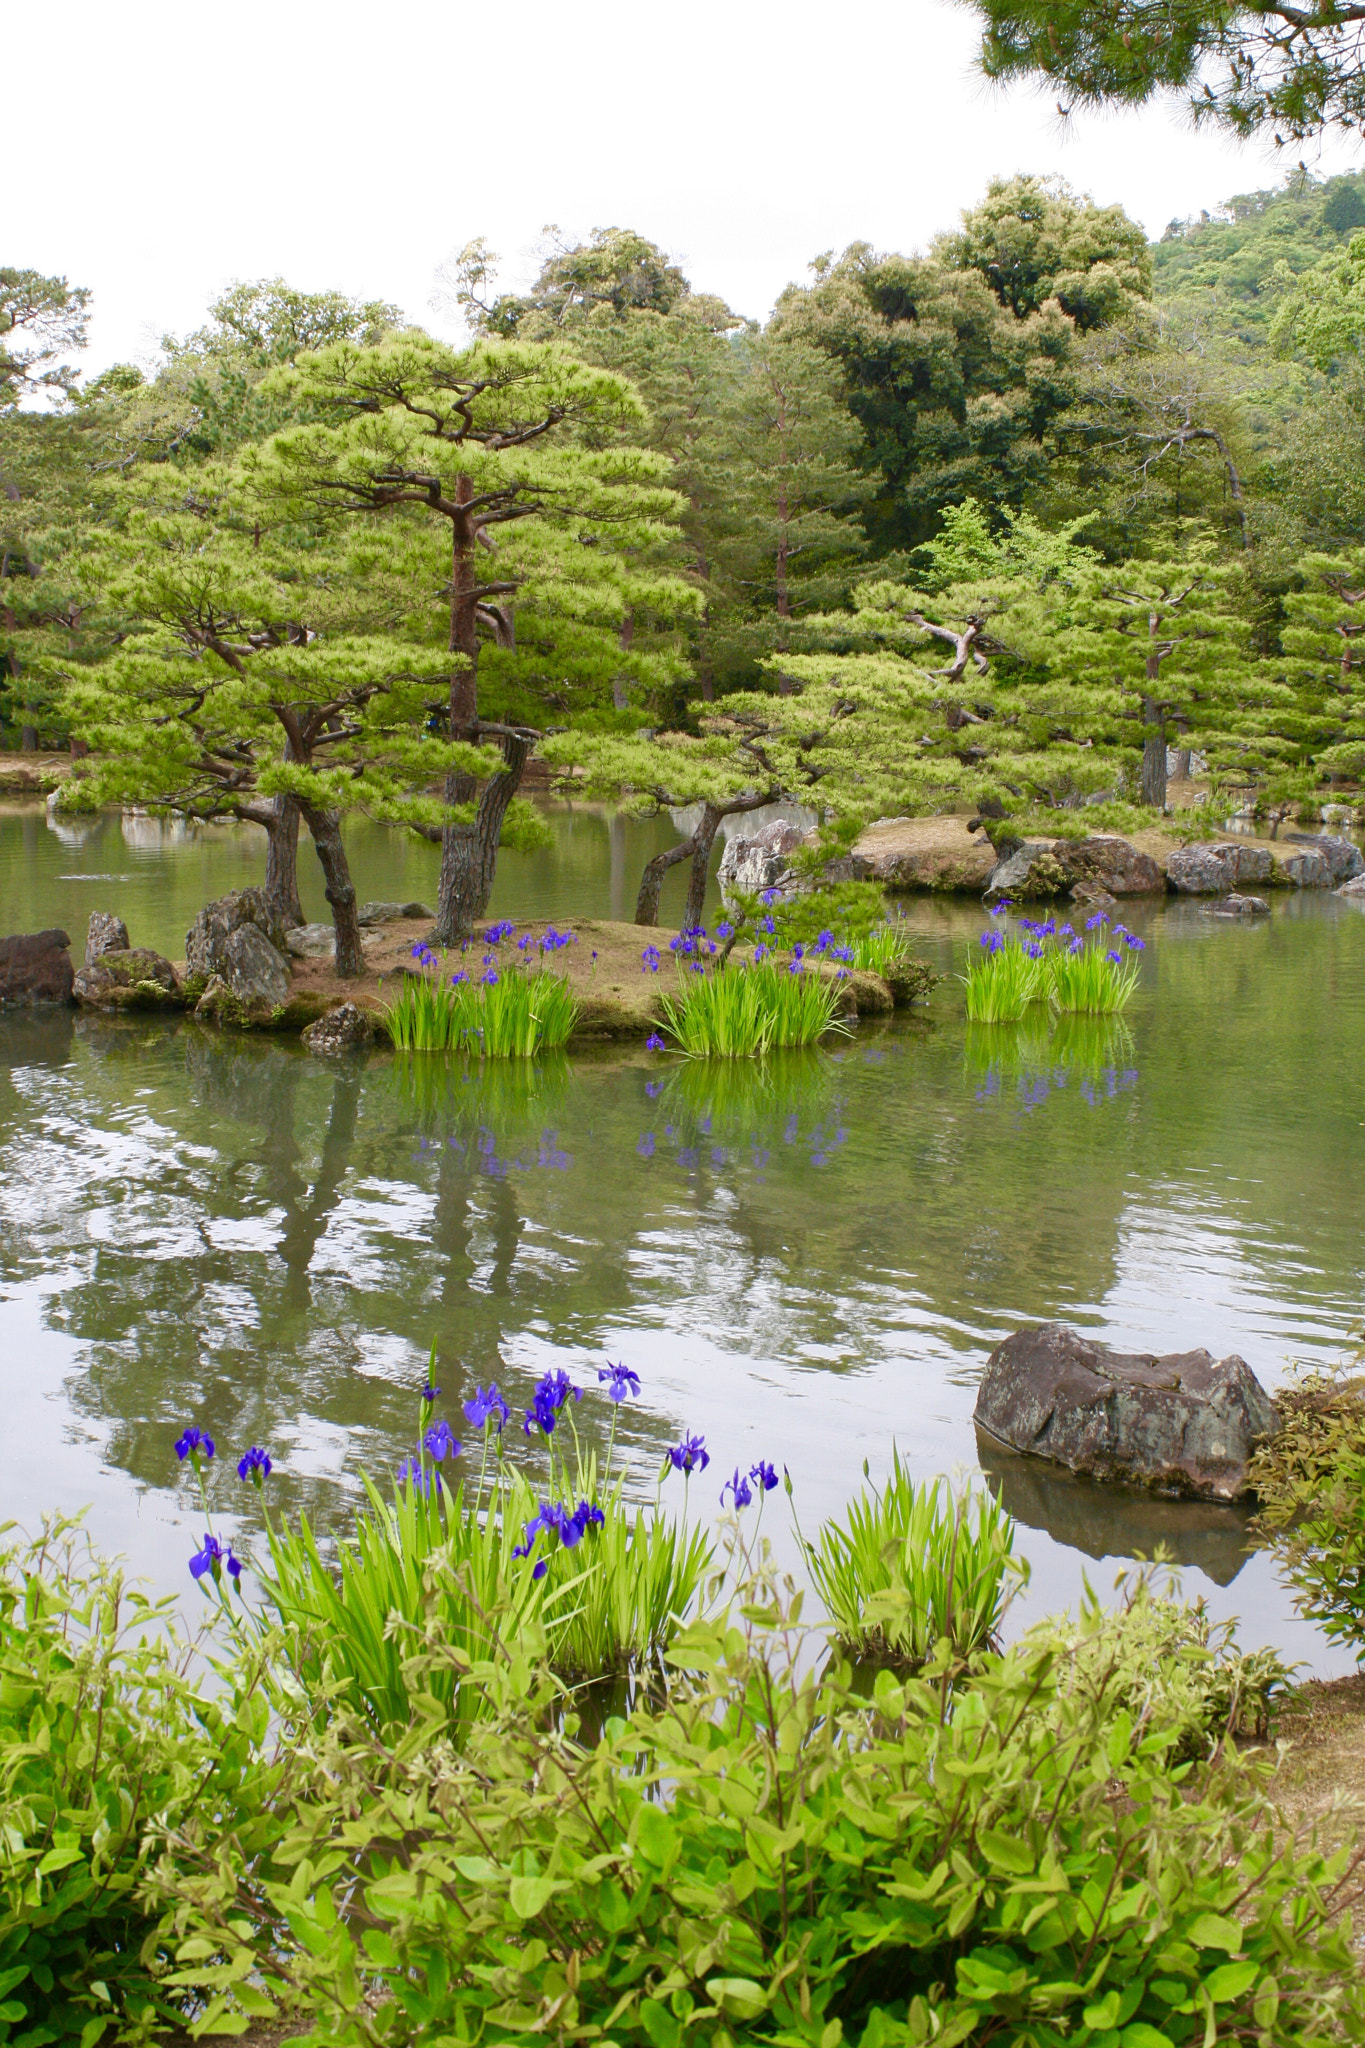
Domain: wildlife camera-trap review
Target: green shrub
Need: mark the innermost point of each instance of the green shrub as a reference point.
(995, 1854)
(740, 1010)
(908, 1567)
(1310, 1481)
(1003, 979)
(101, 1738)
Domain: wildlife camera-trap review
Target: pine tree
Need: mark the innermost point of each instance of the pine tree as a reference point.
(497, 449)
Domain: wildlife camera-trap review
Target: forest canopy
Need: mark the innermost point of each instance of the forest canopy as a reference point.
(993, 524)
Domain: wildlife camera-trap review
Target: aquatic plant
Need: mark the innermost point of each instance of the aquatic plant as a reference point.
(1094, 971)
(501, 1016)
(909, 1566)
(751, 1007)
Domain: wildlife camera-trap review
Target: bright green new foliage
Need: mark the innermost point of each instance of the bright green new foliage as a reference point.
(990, 1854)
(102, 1737)
(908, 1567)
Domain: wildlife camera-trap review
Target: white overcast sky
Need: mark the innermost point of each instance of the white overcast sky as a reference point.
(167, 149)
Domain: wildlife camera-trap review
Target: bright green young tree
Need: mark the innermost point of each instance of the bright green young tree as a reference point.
(501, 463)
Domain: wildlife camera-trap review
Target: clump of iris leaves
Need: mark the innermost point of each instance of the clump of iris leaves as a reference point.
(536, 1760)
(1093, 971)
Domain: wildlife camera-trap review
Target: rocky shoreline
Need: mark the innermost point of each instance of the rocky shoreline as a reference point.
(245, 971)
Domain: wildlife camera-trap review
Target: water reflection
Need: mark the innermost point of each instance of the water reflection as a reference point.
(1039, 1056)
(1113, 1520)
(719, 1111)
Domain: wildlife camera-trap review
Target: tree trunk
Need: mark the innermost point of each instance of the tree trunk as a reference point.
(652, 880)
(1182, 765)
(703, 839)
(28, 739)
(1153, 756)
(80, 749)
(469, 853)
(282, 862)
(325, 827)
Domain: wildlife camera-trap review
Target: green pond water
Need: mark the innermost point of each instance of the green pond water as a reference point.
(806, 1262)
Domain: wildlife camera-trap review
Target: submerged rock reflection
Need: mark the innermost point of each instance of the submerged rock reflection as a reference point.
(1110, 1520)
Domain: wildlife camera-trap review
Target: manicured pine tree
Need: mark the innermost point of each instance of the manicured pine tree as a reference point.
(474, 445)
(225, 699)
(1323, 642)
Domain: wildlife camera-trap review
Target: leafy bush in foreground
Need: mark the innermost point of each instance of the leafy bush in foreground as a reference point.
(994, 1854)
(1310, 1480)
(101, 1737)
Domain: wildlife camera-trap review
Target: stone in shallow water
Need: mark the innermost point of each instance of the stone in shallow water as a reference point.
(1216, 870)
(1354, 889)
(35, 967)
(345, 1029)
(106, 934)
(1106, 860)
(128, 978)
(1181, 1424)
(1238, 906)
(252, 981)
(1307, 870)
(1343, 857)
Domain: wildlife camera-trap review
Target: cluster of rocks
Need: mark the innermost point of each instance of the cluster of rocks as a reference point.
(236, 971)
(1101, 868)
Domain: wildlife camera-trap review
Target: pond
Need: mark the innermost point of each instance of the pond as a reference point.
(806, 1263)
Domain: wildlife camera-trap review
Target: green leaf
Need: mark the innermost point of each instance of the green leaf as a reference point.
(655, 1837)
(658, 2022)
(1215, 1930)
(1005, 1852)
(1140, 2035)
(1230, 1980)
(738, 1997)
(529, 1895)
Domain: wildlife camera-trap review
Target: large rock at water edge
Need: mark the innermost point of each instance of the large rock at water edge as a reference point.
(1182, 1424)
(345, 1029)
(35, 967)
(208, 936)
(749, 866)
(1032, 870)
(1307, 870)
(105, 934)
(128, 978)
(251, 985)
(1354, 890)
(1106, 861)
(1342, 857)
(1218, 870)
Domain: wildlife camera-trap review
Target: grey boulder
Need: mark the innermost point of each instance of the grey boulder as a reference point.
(128, 978)
(251, 984)
(1354, 889)
(1307, 870)
(1107, 861)
(1032, 870)
(1182, 1424)
(1217, 870)
(345, 1029)
(312, 941)
(35, 967)
(385, 913)
(1343, 857)
(207, 939)
(1238, 906)
(763, 861)
(106, 934)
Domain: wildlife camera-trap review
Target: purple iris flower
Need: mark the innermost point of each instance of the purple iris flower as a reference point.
(489, 977)
(487, 1406)
(1075, 947)
(496, 933)
(620, 1380)
(440, 1444)
(724, 930)
(421, 1476)
(554, 1518)
(1117, 958)
(766, 924)
(764, 1475)
(1034, 950)
(999, 909)
(1131, 939)
(194, 1445)
(650, 960)
(255, 1466)
(215, 1557)
(770, 896)
(1092, 924)
(691, 1455)
(739, 1488)
(654, 1043)
(550, 1395)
